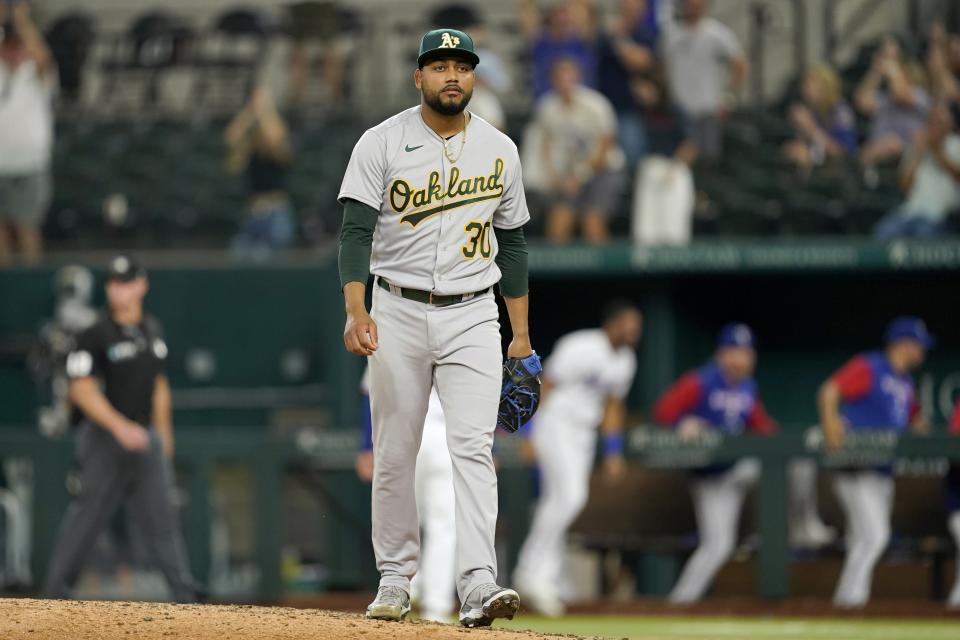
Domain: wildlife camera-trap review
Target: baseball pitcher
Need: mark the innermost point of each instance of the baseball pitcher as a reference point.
(434, 208)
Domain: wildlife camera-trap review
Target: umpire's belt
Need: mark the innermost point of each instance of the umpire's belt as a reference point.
(428, 297)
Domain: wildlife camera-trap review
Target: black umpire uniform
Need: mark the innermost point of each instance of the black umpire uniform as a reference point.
(126, 360)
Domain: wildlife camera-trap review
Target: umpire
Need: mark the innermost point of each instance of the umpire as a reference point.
(125, 442)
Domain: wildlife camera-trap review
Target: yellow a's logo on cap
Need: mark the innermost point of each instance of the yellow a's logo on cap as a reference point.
(449, 42)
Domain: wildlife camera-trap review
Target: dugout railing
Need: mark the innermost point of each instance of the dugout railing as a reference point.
(331, 455)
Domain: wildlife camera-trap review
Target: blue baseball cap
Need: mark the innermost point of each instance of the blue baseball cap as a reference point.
(909, 328)
(736, 334)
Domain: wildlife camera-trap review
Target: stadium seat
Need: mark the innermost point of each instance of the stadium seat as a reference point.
(228, 58)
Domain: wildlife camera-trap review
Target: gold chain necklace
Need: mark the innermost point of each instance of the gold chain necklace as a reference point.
(463, 143)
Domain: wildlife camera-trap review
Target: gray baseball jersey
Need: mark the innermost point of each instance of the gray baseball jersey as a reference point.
(434, 231)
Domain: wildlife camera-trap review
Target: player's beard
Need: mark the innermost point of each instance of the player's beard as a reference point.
(447, 107)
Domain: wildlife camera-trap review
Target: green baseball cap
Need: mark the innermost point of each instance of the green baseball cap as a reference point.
(447, 42)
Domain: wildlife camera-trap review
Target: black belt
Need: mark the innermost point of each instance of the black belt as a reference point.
(428, 297)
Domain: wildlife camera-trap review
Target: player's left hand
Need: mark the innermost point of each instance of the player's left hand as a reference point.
(519, 347)
(614, 468)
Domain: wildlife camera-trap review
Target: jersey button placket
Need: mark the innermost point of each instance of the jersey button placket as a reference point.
(439, 257)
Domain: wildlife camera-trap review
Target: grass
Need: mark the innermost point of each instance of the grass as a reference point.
(724, 628)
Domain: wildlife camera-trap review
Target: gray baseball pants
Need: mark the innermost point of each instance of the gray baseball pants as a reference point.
(457, 349)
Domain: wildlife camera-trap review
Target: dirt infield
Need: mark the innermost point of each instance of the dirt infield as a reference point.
(22, 619)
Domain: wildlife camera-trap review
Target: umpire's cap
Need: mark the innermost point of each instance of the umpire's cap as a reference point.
(124, 269)
(443, 43)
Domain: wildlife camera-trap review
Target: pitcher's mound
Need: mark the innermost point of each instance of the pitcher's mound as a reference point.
(22, 619)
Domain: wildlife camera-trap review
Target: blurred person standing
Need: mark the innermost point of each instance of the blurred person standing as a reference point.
(125, 444)
(583, 166)
(663, 197)
(707, 69)
(584, 384)
(930, 174)
(824, 125)
(872, 391)
(942, 63)
(953, 507)
(625, 50)
(259, 146)
(27, 86)
(722, 396)
(566, 33)
(895, 103)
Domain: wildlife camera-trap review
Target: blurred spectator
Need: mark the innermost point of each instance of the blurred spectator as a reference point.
(664, 196)
(259, 146)
(581, 160)
(492, 79)
(700, 53)
(824, 124)
(323, 22)
(931, 177)
(942, 67)
(27, 85)
(895, 103)
(623, 51)
(567, 33)
(720, 396)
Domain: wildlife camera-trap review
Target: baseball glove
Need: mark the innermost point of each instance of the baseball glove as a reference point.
(520, 394)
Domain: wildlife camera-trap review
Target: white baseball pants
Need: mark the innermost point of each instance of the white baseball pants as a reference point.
(565, 457)
(717, 501)
(434, 582)
(954, 600)
(867, 500)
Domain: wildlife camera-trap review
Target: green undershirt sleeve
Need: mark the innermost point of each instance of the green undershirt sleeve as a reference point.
(356, 238)
(512, 260)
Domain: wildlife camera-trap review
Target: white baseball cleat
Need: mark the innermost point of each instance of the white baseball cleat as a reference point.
(488, 602)
(391, 603)
(541, 598)
(812, 535)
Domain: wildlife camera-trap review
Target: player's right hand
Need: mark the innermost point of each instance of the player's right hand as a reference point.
(133, 437)
(690, 429)
(833, 438)
(360, 334)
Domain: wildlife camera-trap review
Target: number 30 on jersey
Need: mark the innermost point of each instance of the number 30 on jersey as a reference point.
(479, 240)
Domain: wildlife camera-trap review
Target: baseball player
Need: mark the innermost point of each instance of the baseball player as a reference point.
(586, 379)
(434, 207)
(434, 582)
(953, 507)
(124, 446)
(873, 390)
(720, 395)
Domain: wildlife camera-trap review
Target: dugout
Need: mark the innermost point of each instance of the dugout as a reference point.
(813, 304)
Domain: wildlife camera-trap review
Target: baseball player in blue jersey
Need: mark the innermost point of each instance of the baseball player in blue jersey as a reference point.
(720, 395)
(872, 391)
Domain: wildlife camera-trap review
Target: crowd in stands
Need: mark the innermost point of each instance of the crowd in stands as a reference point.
(630, 110)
